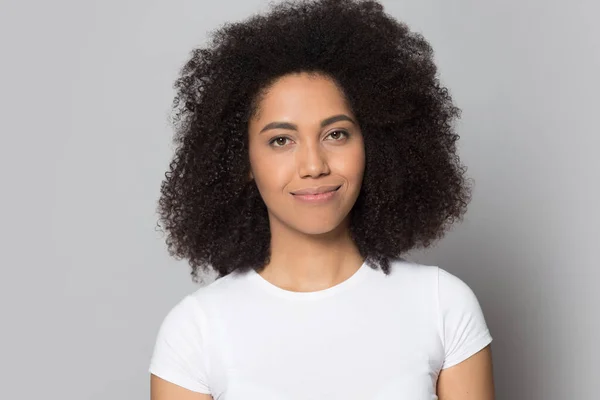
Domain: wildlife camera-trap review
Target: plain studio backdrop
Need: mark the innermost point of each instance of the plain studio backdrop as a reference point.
(85, 91)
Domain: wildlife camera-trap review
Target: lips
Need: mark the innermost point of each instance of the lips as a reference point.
(316, 190)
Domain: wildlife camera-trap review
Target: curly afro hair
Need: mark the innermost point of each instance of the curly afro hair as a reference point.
(414, 186)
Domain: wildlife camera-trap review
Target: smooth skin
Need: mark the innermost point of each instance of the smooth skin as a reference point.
(165, 390)
(304, 136)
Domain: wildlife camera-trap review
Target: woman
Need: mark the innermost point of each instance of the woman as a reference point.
(315, 147)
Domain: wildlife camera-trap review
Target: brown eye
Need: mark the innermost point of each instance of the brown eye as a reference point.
(338, 135)
(279, 141)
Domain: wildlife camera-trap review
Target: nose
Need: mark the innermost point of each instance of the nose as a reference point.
(311, 161)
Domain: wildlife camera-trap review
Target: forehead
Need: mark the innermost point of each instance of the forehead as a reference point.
(301, 97)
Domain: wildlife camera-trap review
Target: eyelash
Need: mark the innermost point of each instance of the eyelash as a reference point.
(272, 141)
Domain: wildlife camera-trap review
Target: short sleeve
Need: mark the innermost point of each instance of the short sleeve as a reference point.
(180, 351)
(463, 328)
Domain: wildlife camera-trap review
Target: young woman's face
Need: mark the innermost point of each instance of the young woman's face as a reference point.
(305, 140)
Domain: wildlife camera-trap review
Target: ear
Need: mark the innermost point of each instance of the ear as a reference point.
(250, 176)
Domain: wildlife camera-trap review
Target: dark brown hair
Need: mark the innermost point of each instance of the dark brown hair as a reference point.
(414, 185)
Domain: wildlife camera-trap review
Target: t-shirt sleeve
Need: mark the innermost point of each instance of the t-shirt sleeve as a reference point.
(464, 330)
(180, 351)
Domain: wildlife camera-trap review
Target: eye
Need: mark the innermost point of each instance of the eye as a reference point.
(338, 135)
(279, 141)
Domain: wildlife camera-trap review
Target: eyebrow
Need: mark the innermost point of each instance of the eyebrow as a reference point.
(324, 123)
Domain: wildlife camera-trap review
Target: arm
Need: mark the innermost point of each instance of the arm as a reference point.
(164, 390)
(178, 365)
(471, 379)
(466, 373)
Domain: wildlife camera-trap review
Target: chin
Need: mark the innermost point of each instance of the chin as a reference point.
(317, 227)
(317, 230)
(311, 224)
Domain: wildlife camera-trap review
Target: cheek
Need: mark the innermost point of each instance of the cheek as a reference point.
(270, 173)
(357, 167)
(359, 163)
(351, 164)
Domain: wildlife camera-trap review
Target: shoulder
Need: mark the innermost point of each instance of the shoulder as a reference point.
(406, 269)
(455, 296)
(183, 345)
(188, 317)
(452, 294)
(222, 289)
(431, 276)
(409, 275)
(452, 298)
(461, 324)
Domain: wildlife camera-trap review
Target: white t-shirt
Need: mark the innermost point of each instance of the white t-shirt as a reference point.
(372, 336)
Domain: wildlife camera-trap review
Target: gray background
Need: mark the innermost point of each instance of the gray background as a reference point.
(85, 90)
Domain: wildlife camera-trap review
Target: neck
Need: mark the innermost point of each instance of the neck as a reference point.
(305, 263)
